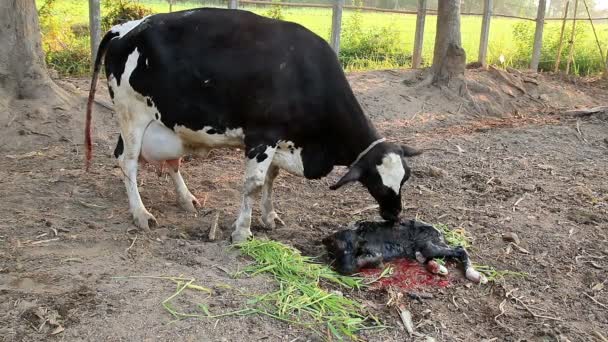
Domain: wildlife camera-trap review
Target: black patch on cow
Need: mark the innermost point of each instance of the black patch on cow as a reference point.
(149, 102)
(216, 131)
(119, 147)
(157, 116)
(258, 152)
(111, 92)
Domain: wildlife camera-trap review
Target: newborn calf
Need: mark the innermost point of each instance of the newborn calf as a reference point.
(368, 244)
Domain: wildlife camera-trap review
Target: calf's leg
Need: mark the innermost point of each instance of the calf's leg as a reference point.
(432, 250)
(259, 159)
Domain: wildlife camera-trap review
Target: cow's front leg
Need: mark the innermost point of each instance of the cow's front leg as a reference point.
(259, 159)
(269, 216)
(184, 197)
(128, 161)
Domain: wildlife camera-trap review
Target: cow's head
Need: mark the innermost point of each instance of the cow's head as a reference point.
(382, 170)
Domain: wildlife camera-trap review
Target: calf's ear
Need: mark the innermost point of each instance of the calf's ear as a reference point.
(353, 175)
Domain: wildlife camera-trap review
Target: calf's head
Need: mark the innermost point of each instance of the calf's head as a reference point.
(382, 170)
(344, 246)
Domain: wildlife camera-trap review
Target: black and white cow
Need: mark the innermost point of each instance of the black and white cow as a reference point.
(210, 78)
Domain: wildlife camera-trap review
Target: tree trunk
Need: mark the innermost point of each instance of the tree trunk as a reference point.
(23, 73)
(449, 57)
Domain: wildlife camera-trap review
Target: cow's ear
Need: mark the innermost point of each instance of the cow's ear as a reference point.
(352, 175)
(410, 151)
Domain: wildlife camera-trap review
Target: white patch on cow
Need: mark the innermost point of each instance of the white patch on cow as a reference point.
(125, 28)
(146, 62)
(289, 158)
(233, 137)
(391, 171)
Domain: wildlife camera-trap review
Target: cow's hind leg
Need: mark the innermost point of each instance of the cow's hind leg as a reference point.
(269, 216)
(131, 141)
(259, 159)
(432, 250)
(184, 197)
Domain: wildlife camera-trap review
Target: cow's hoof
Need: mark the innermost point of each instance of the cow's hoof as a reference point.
(240, 236)
(271, 220)
(144, 220)
(189, 203)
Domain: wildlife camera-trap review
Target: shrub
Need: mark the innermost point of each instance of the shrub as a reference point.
(121, 11)
(275, 11)
(585, 60)
(378, 47)
(65, 52)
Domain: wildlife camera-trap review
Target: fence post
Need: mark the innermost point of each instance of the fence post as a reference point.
(538, 35)
(561, 38)
(94, 28)
(419, 35)
(485, 33)
(233, 4)
(336, 25)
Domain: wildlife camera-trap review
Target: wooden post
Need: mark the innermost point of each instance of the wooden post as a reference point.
(233, 4)
(336, 25)
(94, 28)
(485, 32)
(561, 38)
(419, 35)
(571, 42)
(599, 46)
(538, 35)
(170, 6)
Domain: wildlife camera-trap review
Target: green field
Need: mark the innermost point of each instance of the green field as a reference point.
(372, 40)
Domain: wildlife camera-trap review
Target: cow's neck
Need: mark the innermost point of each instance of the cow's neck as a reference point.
(356, 142)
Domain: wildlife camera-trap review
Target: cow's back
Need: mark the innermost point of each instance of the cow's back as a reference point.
(220, 68)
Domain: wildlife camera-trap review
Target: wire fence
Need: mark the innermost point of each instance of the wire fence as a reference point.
(381, 33)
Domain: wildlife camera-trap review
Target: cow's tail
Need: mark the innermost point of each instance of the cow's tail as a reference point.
(103, 46)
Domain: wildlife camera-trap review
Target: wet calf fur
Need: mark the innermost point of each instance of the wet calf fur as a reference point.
(368, 244)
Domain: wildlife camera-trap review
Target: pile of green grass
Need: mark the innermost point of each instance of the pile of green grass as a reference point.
(300, 298)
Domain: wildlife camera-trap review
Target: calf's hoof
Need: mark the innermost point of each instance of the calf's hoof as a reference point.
(144, 220)
(271, 220)
(240, 236)
(435, 268)
(475, 276)
(189, 203)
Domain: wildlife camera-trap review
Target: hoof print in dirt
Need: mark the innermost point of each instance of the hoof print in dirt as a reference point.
(368, 244)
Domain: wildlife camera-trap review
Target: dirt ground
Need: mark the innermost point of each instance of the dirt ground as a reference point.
(66, 235)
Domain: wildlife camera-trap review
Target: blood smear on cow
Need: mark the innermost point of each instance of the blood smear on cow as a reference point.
(407, 275)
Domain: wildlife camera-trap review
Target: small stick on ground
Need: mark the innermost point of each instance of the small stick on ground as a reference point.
(596, 302)
(518, 201)
(600, 336)
(406, 318)
(359, 211)
(43, 241)
(132, 244)
(213, 230)
(578, 129)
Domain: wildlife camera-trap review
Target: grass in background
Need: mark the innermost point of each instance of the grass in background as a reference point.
(372, 41)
